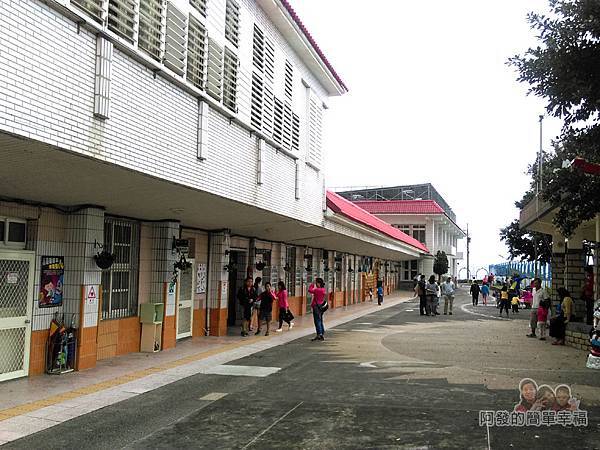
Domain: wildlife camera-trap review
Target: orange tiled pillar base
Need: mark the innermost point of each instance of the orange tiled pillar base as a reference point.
(87, 348)
(218, 322)
(37, 355)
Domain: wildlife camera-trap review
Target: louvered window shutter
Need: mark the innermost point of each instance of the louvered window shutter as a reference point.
(95, 8)
(289, 77)
(287, 126)
(295, 132)
(200, 6)
(151, 33)
(230, 75)
(258, 49)
(232, 22)
(278, 121)
(268, 109)
(121, 18)
(314, 134)
(196, 54)
(175, 41)
(214, 79)
(257, 101)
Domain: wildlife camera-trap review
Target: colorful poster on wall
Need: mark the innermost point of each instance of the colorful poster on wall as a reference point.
(201, 279)
(51, 281)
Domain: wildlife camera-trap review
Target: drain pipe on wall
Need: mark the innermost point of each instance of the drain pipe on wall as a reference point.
(208, 286)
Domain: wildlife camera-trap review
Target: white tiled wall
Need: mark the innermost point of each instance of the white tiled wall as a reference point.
(47, 89)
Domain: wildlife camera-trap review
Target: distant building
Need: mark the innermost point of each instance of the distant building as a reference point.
(419, 211)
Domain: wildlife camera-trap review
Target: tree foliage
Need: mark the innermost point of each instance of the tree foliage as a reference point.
(526, 245)
(440, 263)
(565, 70)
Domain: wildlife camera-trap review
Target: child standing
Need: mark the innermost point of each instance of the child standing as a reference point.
(515, 304)
(542, 317)
(380, 295)
(504, 299)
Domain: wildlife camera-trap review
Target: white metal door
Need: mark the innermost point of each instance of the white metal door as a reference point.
(16, 304)
(185, 309)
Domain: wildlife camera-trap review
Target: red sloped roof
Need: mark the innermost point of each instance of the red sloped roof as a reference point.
(312, 41)
(400, 206)
(345, 207)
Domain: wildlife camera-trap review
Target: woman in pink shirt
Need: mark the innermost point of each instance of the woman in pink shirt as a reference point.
(284, 306)
(318, 292)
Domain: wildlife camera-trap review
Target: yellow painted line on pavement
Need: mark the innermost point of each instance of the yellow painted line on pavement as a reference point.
(122, 379)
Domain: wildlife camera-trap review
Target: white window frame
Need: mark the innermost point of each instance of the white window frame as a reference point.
(4, 242)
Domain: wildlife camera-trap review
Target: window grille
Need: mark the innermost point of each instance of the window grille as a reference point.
(94, 8)
(256, 106)
(290, 275)
(214, 79)
(230, 76)
(295, 132)
(278, 121)
(196, 54)
(200, 6)
(151, 27)
(120, 281)
(104, 52)
(232, 22)
(121, 18)
(258, 48)
(314, 135)
(289, 77)
(175, 40)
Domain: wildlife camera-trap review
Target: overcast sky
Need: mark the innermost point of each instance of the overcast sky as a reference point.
(432, 100)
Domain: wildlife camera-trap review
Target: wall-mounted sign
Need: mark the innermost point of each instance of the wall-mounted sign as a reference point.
(91, 305)
(171, 286)
(12, 277)
(51, 281)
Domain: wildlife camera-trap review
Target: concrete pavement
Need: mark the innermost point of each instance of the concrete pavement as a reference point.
(389, 379)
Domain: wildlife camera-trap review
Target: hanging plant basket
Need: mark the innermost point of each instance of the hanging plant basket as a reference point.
(104, 259)
(260, 265)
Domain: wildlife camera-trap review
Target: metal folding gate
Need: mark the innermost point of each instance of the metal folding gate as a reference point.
(16, 303)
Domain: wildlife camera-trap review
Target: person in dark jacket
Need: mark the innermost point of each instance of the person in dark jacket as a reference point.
(475, 293)
(246, 297)
(422, 296)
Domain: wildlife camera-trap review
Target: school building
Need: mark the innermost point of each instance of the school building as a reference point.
(153, 154)
(420, 211)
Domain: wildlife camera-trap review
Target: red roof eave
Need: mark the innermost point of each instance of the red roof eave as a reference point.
(348, 209)
(586, 166)
(312, 42)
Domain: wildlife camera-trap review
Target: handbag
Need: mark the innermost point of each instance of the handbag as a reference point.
(289, 316)
(323, 306)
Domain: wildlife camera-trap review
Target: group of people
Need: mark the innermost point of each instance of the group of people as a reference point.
(541, 313)
(544, 398)
(430, 293)
(256, 300)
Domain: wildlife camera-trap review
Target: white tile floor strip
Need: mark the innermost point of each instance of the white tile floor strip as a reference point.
(242, 371)
(20, 426)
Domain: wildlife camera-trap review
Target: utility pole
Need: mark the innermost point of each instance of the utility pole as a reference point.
(539, 186)
(468, 245)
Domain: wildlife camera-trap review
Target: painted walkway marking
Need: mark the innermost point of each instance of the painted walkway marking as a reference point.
(266, 430)
(213, 396)
(241, 371)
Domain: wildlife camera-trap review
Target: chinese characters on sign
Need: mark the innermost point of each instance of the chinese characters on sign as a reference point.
(201, 279)
(51, 281)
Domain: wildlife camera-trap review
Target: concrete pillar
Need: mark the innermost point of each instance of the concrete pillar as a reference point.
(85, 228)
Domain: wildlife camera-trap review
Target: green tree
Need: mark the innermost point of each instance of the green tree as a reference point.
(526, 245)
(440, 264)
(565, 70)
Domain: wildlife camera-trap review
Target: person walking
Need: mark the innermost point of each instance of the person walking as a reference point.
(422, 296)
(265, 313)
(538, 295)
(448, 290)
(318, 292)
(256, 307)
(284, 306)
(485, 292)
(380, 295)
(431, 290)
(475, 293)
(246, 297)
